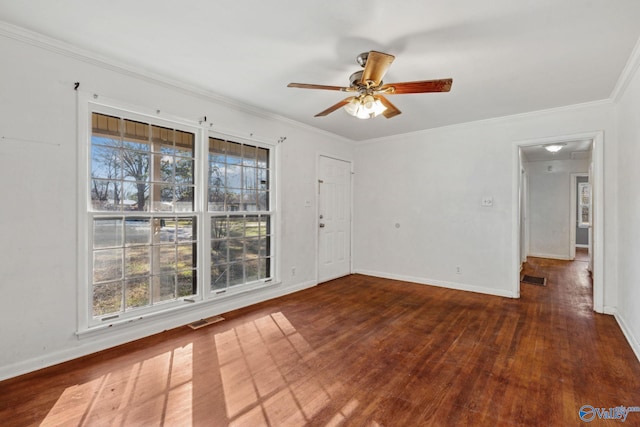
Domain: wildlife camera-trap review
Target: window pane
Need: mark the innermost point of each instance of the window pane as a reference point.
(234, 153)
(252, 268)
(183, 170)
(107, 232)
(236, 227)
(263, 177)
(166, 258)
(165, 287)
(137, 231)
(105, 162)
(249, 155)
(186, 229)
(263, 247)
(217, 150)
(164, 196)
(108, 128)
(137, 261)
(252, 226)
(219, 227)
(136, 135)
(184, 198)
(135, 196)
(219, 277)
(265, 268)
(166, 165)
(162, 139)
(263, 200)
(234, 176)
(107, 265)
(186, 282)
(250, 200)
(167, 229)
(219, 254)
(252, 247)
(262, 155)
(250, 178)
(107, 298)
(232, 200)
(236, 274)
(184, 143)
(106, 195)
(137, 292)
(216, 202)
(236, 249)
(216, 175)
(135, 165)
(186, 259)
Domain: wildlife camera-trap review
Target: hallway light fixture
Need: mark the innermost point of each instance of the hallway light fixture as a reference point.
(554, 148)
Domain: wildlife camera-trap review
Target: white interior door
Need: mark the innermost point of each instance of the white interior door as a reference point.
(334, 219)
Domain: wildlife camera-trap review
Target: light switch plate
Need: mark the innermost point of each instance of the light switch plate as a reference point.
(487, 201)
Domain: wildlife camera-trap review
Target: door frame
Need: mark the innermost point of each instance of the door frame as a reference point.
(597, 188)
(317, 214)
(574, 213)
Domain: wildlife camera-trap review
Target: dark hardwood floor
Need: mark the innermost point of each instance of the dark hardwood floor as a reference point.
(357, 351)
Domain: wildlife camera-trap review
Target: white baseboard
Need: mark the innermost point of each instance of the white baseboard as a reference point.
(129, 332)
(550, 256)
(624, 326)
(439, 283)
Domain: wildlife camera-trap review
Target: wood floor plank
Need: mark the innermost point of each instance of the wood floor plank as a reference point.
(358, 351)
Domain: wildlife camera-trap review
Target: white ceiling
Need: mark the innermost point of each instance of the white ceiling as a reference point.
(505, 57)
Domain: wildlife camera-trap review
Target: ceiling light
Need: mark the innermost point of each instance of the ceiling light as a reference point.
(554, 148)
(365, 107)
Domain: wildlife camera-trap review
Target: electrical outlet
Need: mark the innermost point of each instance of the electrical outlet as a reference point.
(458, 270)
(293, 271)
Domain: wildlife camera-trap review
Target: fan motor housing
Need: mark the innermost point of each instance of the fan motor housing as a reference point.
(356, 80)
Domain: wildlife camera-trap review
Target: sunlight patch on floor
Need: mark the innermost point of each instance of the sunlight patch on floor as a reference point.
(260, 362)
(148, 388)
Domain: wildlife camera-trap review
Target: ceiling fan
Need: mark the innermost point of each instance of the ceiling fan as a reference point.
(368, 88)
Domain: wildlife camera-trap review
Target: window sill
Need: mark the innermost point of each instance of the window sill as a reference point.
(180, 308)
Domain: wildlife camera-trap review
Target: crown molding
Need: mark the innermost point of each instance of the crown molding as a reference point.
(627, 74)
(495, 120)
(74, 52)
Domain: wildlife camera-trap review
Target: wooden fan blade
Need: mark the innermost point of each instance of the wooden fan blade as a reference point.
(376, 67)
(324, 87)
(335, 107)
(391, 110)
(442, 85)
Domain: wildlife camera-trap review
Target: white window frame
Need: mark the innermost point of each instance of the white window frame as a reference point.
(89, 103)
(271, 212)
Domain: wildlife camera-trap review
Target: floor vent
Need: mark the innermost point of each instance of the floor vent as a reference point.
(205, 322)
(532, 280)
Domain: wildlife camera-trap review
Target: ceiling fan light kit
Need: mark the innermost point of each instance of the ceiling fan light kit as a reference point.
(370, 102)
(365, 107)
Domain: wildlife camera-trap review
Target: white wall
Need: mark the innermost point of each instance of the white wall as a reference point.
(432, 183)
(38, 194)
(628, 261)
(550, 206)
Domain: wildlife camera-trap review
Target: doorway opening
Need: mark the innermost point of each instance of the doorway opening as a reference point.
(544, 224)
